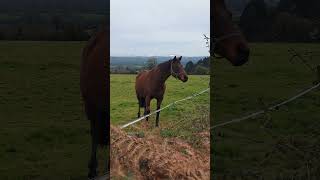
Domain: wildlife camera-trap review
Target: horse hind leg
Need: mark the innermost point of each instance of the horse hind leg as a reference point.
(159, 101)
(147, 107)
(141, 103)
(104, 135)
(93, 164)
(100, 129)
(138, 110)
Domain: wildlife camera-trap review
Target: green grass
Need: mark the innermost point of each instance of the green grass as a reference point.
(247, 149)
(44, 133)
(183, 120)
(43, 129)
(124, 104)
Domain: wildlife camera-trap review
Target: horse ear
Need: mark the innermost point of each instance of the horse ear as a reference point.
(180, 58)
(175, 57)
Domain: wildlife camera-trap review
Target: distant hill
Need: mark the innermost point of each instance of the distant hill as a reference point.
(134, 64)
(141, 60)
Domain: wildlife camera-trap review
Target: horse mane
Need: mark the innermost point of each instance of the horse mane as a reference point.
(93, 41)
(163, 66)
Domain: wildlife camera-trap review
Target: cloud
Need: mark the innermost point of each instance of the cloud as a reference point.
(144, 27)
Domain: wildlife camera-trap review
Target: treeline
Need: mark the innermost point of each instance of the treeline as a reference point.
(125, 69)
(50, 27)
(54, 20)
(201, 67)
(288, 20)
(92, 6)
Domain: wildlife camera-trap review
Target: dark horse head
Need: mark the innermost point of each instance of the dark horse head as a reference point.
(229, 42)
(177, 70)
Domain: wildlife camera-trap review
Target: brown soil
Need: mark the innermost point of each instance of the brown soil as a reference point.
(156, 158)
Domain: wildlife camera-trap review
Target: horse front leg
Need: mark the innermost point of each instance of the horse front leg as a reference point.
(139, 109)
(92, 165)
(159, 101)
(147, 107)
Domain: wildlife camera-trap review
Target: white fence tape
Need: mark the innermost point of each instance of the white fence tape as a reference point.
(167, 106)
(269, 108)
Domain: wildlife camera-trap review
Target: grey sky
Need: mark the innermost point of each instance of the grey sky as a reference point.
(159, 27)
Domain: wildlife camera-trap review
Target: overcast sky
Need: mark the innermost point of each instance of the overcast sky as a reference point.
(159, 27)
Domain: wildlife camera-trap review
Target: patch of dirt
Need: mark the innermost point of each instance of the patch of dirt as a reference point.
(156, 158)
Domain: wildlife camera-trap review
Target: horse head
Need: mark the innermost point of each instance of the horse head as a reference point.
(229, 42)
(177, 70)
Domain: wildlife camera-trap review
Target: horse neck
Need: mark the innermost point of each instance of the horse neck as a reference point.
(164, 70)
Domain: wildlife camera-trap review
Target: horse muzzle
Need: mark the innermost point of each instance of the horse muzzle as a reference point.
(183, 78)
(242, 57)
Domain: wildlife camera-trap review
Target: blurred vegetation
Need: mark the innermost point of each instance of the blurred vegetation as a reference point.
(199, 68)
(51, 20)
(282, 144)
(287, 21)
(151, 63)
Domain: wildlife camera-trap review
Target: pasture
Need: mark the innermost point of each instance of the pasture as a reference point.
(44, 133)
(124, 104)
(282, 144)
(182, 131)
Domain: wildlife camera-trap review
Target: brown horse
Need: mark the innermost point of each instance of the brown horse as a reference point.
(228, 41)
(151, 84)
(94, 85)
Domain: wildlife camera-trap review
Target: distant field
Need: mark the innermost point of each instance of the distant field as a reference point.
(43, 130)
(124, 104)
(284, 143)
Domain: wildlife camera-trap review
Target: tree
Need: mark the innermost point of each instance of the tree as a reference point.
(289, 27)
(254, 20)
(200, 70)
(189, 67)
(57, 22)
(151, 63)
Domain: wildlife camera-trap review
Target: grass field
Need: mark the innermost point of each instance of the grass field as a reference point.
(44, 133)
(124, 104)
(282, 144)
